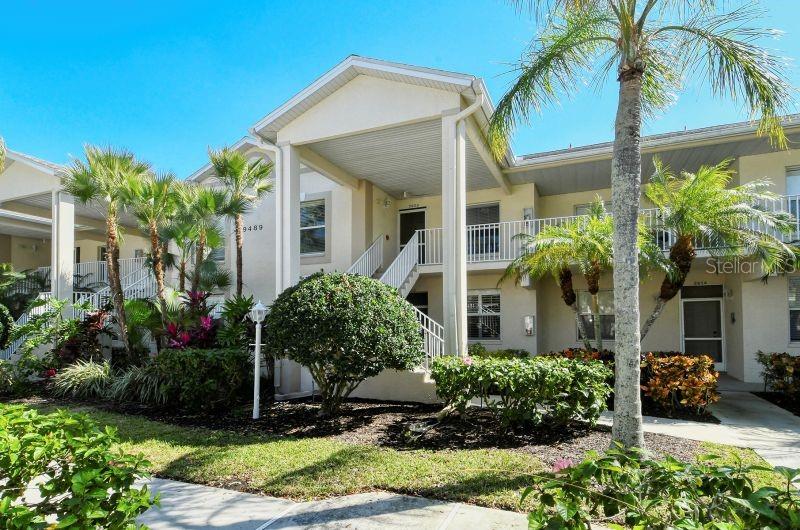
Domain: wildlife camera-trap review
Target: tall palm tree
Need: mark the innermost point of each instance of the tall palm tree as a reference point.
(583, 242)
(205, 208)
(646, 46)
(700, 209)
(154, 202)
(246, 182)
(100, 182)
(180, 230)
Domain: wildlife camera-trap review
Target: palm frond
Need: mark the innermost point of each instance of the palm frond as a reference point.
(551, 67)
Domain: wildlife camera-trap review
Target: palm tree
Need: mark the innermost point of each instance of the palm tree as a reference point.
(246, 182)
(101, 182)
(646, 46)
(205, 206)
(154, 202)
(585, 243)
(700, 209)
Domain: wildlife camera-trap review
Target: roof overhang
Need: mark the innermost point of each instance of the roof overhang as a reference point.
(467, 85)
(39, 164)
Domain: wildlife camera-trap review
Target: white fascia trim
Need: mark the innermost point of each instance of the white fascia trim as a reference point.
(50, 168)
(727, 132)
(197, 175)
(355, 61)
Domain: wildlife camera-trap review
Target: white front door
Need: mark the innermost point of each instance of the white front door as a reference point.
(703, 329)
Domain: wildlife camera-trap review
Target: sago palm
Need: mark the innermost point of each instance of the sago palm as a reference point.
(245, 182)
(100, 182)
(154, 203)
(701, 210)
(646, 46)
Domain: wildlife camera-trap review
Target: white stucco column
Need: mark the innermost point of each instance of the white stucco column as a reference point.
(62, 248)
(454, 252)
(287, 218)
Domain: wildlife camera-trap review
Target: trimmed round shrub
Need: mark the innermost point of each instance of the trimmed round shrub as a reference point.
(344, 328)
(6, 323)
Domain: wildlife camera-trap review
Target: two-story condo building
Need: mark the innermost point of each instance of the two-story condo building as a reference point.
(383, 169)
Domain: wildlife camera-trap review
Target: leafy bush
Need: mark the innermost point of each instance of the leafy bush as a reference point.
(7, 377)
(80, 339)
(237, 330)
(84, 379)
(198, 378)
(344, 328)
(781, 372)
(6, 324)
(627, 487)
(86, 480)
(680, 381)
(535, 389)
(672, 380)
(142, 384)
(479, 350)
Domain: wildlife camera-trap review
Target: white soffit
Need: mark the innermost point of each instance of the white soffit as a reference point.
(407, 158)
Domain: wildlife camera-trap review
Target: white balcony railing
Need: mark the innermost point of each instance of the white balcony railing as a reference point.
(496, 241)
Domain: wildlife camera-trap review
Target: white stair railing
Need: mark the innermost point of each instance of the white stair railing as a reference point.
(404, 264)
(432, 338)
(370, 261)
(21, 321)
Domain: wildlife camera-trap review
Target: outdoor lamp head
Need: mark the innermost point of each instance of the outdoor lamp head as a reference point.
(259, 312)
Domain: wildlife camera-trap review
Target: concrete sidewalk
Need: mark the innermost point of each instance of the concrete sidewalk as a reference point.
(746, 421)
(192, 506)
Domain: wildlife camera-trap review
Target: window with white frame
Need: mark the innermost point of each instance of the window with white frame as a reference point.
(794, 309)
(483, 315)
(605, 312)
(312, 227)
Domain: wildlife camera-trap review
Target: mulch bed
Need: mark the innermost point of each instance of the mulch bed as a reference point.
(782, 400)
(405, 426)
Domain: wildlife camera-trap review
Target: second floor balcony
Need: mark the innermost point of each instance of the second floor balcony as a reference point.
(496, 243)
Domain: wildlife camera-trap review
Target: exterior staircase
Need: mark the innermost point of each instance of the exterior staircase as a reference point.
(136, 279)
(402, 274)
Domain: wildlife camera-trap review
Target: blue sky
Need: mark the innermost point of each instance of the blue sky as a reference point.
(166, 79)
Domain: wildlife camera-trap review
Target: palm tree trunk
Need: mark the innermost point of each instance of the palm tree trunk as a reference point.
(182, 274)
(582, 328)
(571, 299)
(681, 254)
(158, 270)
(239, 262)
(115, 284)
(198, 261)
(626, 179)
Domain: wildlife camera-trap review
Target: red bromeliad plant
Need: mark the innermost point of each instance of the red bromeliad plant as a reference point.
(197, 329)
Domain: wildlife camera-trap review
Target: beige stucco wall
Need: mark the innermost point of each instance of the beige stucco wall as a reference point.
(367, 103)
(29, 253)
(515, 302)
(771, 165)
(5, 248)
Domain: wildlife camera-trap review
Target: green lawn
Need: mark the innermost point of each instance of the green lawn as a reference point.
(306, 468)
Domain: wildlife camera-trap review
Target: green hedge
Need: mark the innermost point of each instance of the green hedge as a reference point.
(88, 482)
(531, 390)
(196, 379)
